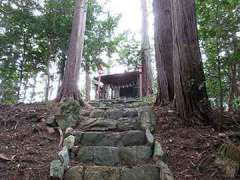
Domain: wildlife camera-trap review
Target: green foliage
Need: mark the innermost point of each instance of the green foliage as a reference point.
(99, 35)
(218, 23)
(130, 53)
(17, 61)
(236, 102)
(34, 34)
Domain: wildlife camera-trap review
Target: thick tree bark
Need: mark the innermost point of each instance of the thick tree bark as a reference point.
(233, 86)
(234, 77)
(146, 53)
(189, 82)
(163, 50)
(88, 84)
(69, 87)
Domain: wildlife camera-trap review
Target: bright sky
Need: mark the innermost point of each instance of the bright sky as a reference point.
(131, 20)
(131, 14)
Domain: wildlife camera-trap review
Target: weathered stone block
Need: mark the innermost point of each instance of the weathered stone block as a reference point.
(126, 138)
(143, 153)
(92, 138)
(132, 155)
(147, 118)
(111, 156)
(131, 113)
(158, 153)
(78, 136)
(56, 169)
(86, 154)
(133, 138)
(69, 113)
(114, 114)
(64, 157)
(111, 139)
(165, 172)
(106, 156)
(99, 124)
(140, 173)
(69, 141)
(127, 124)
(102, 173)
(128, 155)
(66, 121)
(74, 173)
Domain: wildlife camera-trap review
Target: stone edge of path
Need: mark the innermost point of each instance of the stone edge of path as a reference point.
(60, 165)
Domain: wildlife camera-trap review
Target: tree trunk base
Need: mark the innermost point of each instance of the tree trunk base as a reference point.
(199, 117)
(72, 93)
(69, 93)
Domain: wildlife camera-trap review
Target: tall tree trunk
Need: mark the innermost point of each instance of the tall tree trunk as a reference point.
(33, 93)
(20, 82)
(146, 53)
(189, 82)
(219, 79)
(69, 87)
(219, 62)
(21, 67)
(88, 84)
(25, 89)
(48, 74)
(47, 86)
(163, 50)
(234, 77)
(233, 86)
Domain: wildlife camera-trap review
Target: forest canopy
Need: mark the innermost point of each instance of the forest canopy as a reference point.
(34, 37)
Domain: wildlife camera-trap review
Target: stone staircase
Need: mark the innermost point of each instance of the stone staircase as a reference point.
(115, 142)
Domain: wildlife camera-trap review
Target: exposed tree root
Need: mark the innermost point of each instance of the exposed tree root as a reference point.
(74, 94)
(5, 158)
(69, 93)
(61, 137)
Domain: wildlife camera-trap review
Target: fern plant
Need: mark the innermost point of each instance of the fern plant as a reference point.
(229, 157)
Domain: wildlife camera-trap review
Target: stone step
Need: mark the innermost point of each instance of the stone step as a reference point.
(118, 119)
(114, 113)
(114, 156)
(125, 138)
(105, 124)
(146, 172)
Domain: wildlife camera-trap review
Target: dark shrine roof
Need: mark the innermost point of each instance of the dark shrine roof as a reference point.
(124, 79)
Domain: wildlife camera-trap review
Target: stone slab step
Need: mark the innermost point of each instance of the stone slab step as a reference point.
(104, 124)
(114, 156)
(125, 138)
(114, 113)
(119, 119)
(147, 172)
